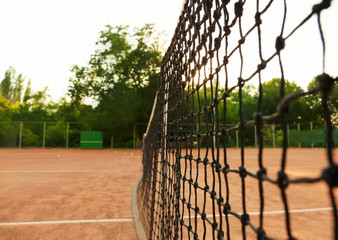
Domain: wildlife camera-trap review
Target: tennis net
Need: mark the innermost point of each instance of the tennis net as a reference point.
(218, 47)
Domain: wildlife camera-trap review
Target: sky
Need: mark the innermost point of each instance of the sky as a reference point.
(43, 39)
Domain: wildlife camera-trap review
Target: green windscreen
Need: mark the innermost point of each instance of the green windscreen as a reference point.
(314, 136)
(91, 139)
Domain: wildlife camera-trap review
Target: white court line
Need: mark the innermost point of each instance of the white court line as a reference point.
(277, 212)
(131, 220)
(60, 171)
(68, 221)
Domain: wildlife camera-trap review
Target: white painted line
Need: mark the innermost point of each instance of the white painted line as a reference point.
(276, 212)
(60, 171)
(68, 221)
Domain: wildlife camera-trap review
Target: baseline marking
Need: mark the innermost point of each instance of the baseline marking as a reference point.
(131, 219)
(68, 221)
(276, 212)
(59, 171)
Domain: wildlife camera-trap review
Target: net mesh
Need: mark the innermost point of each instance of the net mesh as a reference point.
(186, 190)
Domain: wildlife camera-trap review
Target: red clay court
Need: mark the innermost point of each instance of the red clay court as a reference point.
(87, 194)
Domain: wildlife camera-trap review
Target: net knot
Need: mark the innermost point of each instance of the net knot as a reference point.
(195, 185)
(206, 188)
(282, 180)
(241, 82)
(258, 19)
(217, 43)
(214, 226)
(245, 219)
(227, 30)
(220, 200)
(242, 172)
(317, 8)
(181, 222)
(217, 14)
(325, 82)
(280, 43)
(225, 60)
(195, 236)
(205, 161)
(241, 41)
(220, 234)
(260, 234)
(261, 66)
(260, 173)
(213, 195)
(208, 4)
(227, 208)
(330, 175)
(226, 168)
(189, 227)
(203, 216)
(238, 9)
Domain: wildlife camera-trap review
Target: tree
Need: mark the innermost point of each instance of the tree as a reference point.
(122, 76)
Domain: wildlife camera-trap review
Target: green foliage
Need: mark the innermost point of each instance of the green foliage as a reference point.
(29, 139)
(122, 76)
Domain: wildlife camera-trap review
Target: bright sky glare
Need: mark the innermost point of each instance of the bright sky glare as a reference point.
(43, 39)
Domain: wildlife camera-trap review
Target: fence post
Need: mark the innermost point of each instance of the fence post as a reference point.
(299, 144)
(273, 136)
(20, 136)
(287, 132)
(44, 135)
(112, 142)
(236, 138)
(255, 136)
(311, 128)
(67, 134)
(134, 137)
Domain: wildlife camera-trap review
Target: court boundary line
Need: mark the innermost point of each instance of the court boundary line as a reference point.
(275, 212)
(68, 221)
(93, 171)
(133, 220)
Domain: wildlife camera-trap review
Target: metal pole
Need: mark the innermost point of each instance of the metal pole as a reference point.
(134, 137)
(67, 134)
(287, 132)
(44, 135)
(255, 136)
(311, 128)
(20, 135)
(273, 136)
(299, 144)
(237, 138)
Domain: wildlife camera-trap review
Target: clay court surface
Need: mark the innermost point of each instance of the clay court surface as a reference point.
(87, 194)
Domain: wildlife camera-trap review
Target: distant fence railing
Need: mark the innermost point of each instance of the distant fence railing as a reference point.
(43, 134)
